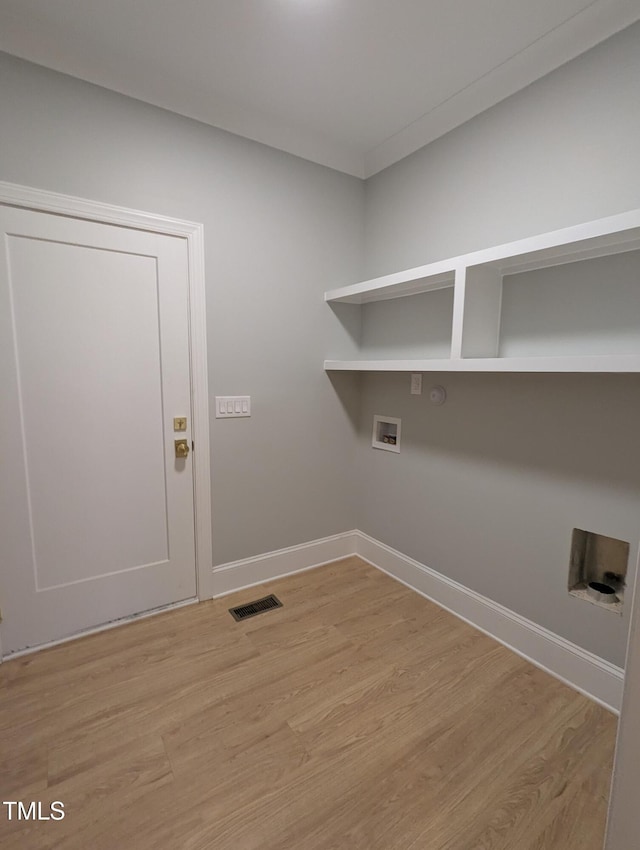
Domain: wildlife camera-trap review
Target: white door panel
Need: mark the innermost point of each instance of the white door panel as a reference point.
(97, 514)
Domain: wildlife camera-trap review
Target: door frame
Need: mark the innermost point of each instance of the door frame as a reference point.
(623, 798)
(12, 194)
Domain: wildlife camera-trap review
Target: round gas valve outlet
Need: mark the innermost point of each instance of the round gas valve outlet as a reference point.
(437, 395)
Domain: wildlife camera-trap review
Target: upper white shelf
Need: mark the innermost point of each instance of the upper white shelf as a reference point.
(603, 237)
(410, 282)
(564, 301)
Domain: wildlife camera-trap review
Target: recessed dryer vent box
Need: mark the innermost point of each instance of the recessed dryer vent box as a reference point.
(598, 568)
(386, 433)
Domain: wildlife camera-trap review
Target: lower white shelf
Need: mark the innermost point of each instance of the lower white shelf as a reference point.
(623, 363)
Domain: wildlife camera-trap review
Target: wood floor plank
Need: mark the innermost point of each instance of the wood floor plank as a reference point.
(277, 695)
(414, 757)
(580, 822)
(359, 716)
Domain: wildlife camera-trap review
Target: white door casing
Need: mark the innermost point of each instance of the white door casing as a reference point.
(97, 515)
(622, 820)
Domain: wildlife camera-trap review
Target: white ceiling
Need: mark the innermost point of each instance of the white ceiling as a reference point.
(353, 84)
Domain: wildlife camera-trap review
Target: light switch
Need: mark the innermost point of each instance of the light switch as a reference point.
(233, 406)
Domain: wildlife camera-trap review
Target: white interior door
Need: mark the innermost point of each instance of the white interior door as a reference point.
(96, 512)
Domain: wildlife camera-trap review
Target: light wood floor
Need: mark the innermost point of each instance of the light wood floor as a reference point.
(359, 716)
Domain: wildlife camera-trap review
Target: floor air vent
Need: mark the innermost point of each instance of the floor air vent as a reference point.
(241, 612)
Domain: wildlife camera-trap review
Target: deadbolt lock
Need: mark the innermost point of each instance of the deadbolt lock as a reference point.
(182, 448)
(180, 423)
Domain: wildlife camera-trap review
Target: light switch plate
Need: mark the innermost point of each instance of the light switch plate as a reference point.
(233, 406)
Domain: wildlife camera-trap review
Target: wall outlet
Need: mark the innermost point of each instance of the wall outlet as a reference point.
(416, 384)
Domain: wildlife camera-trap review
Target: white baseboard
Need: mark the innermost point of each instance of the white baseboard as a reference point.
(237, 575)
(581, 670)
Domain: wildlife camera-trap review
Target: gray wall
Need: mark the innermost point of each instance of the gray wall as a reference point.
(277, 229)
(488, 487)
